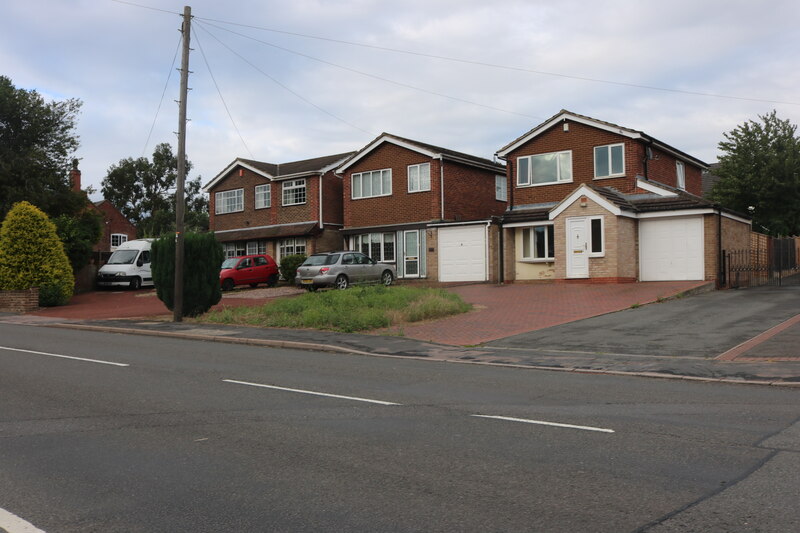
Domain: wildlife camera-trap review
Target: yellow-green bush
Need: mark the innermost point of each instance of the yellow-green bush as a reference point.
(32, 255)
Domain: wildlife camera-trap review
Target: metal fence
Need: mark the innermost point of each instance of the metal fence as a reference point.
(775, 264)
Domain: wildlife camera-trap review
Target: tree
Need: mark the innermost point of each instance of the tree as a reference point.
(760, 174)
(202, 257)
(37, 141)
(79, 234)
(144, 191)
(31, 255)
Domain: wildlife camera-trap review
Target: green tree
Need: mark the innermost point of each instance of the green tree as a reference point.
(79, 234)
(759, 174)
(37, 140)
(31, 255)
(202, 257)
(144, 191)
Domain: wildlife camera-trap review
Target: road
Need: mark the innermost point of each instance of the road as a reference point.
(111, 432)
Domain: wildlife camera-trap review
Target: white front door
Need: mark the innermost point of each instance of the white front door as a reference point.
(577, 247)
(411, 254)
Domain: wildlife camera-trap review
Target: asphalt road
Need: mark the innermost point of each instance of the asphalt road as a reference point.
(187, 438)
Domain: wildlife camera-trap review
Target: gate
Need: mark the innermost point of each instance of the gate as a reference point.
(776, 264)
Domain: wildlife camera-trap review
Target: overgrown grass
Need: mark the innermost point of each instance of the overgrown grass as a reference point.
(356, 309)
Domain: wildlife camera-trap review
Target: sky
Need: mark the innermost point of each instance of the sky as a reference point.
(282, 81)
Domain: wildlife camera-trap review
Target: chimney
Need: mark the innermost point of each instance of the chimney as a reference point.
(75, 177)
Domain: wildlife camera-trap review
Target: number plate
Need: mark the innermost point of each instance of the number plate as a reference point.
(306, 281)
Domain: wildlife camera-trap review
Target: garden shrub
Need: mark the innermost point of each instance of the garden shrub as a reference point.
(289, 266)
(32, 255)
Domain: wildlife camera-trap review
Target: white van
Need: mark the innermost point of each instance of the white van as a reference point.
(128, 266)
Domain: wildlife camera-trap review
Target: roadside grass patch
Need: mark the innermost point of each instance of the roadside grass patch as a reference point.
(354, 309)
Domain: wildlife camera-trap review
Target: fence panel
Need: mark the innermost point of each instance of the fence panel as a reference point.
(775, 263)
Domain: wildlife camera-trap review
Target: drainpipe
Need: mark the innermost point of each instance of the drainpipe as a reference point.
(441, 185)
(720, 252)
(501, 260)
(320, 202)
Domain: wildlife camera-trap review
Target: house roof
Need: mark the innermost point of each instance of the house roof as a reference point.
(282, 171)
(565, 115)
(267, 232)
(710, 178)
(430, 150)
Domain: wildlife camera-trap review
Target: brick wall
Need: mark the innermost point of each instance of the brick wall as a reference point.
(332, 208)
(469, 193)
(113, 223)
(21, 301)
(329, 240)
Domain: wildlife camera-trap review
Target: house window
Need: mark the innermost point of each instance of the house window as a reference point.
(374, 183)
(229, 201)
(233, 249)
(609, 161)
(681, 175)
(419, 177)
(252, 247)
(378, 246)
(597, 244)
(294, 192)
(263, 196)
(543, 169)
(500, 188)
(296, 245)
(117, 239)
(537, 243)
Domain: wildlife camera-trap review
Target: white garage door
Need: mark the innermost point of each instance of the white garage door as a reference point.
(671, 249)
(462, 253)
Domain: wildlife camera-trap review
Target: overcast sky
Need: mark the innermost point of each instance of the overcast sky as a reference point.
(307, 78)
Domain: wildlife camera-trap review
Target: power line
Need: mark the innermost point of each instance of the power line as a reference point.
(169, 76)
(227, 110)
(284, 87)
(147, 7)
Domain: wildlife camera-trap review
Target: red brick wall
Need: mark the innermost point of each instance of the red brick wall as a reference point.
(332, 209)
(469, 193)
(21, 301)
(114, 222)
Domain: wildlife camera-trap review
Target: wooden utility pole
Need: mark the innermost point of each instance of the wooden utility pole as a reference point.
(180, 202)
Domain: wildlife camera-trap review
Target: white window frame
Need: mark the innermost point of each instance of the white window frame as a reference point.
(366, 240)
(415, 177)
(263, 196)
(120, 237)
(680, 175)
(549, 234)
(290, 190)
(527, 180)
(291, 245)
(608, 150)
(234, 249)
(500, 188)
(602, 251)
(357, 189)
(224, 199)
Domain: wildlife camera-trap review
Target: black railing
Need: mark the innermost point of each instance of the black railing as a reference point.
(776, 264)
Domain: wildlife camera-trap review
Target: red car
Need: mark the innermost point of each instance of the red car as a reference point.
(248, 270)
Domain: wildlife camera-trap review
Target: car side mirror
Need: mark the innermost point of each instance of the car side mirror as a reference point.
(139, 262)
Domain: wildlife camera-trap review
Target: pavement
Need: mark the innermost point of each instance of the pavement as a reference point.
(678, 330)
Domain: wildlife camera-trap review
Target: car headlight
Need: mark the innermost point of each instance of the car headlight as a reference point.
(119, 274)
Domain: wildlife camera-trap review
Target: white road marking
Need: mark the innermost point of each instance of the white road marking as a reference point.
(543, 423)
(64, 356)
(14, 524)
(314, 393)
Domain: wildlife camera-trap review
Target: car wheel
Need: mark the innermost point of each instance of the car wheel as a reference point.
(227, 285)
(342, 282)
(136, 284)
(311, 288)
(272, 280)
(387, 278)
(254, 285)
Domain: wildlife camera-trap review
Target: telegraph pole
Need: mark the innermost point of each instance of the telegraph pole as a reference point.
(177, 312)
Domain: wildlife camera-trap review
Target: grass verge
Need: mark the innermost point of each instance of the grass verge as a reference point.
(356, 309)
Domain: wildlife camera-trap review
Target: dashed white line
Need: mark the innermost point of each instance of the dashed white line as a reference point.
(543, 423)
(65, 356)
(313, 393)
(14, 524)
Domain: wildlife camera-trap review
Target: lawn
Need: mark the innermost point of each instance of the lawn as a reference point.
(355, 309)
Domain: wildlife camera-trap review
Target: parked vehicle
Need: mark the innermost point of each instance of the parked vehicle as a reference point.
(128, 266)
(342, 269)
(248, 270)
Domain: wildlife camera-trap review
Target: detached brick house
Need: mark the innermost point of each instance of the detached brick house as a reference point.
(278, 209)
(596, 201)
(426, 209)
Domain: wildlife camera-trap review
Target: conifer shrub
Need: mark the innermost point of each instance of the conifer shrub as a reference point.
(203, 256)
(289, 265)
(32, 255)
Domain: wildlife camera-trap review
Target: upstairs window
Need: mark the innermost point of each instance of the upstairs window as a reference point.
(117, 239)
(681, 175)
(263, 196)
(371, 184)
(294, 192)
(229, 201)
(419, 177)
(544, 169)
(609, 161)
(500, 188)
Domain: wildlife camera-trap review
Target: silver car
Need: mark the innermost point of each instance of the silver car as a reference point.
(342, 269)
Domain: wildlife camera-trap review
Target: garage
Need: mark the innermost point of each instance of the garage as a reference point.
(462, 253)
(671, 249)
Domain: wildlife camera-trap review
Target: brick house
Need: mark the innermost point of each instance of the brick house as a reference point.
(596, 201)
(426, 209)
(278, 209)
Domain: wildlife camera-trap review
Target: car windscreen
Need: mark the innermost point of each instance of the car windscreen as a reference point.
(123, 257)
(320, 260)
(229, 263)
